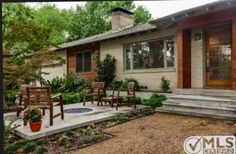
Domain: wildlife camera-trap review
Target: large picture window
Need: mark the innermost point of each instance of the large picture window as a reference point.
(83, 62)
(149, 54)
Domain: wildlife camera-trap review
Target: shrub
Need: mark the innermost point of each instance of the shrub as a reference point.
(55, 84)
(138, 100)
(69, 83)
(106, 69)
(155, 100)
(127, 80)
(120, 118)
(64, 140)
(73, 83)
(10, 97)
(165, 84)
(12, 148)
(71, 98)
(116, 84)
(30, 147)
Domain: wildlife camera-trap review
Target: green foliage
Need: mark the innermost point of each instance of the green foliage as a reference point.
(30, 147)
(23, 36)
(155, 100)
(12, 148)
(10, 97)
(48, 15)
(33, 114)
(64, 140)
(123, 84)
(8, 132)
(55, 84)
(120, 118)
(87, 131)
(95, 17)
(127, 80)
(116, 84)
(71, 98)
(106, 69)
(73, 83)
(137, 100)
(70, 83)
(165, 84)
(141, 15)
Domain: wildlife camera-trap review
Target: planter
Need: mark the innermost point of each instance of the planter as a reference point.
(35, 126)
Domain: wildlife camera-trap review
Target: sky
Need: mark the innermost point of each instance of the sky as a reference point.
(156, 8)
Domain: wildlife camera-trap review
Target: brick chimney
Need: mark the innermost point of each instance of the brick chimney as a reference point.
(121, 19)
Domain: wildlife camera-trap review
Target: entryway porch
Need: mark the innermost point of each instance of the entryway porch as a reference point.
(213, 103)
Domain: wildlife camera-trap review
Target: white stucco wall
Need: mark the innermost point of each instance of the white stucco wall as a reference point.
(56, 70)
(146, 77)
(197, 60)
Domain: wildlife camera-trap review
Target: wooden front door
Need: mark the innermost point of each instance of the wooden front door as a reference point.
(218, 56)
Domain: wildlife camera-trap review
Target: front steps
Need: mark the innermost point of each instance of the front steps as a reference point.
(231, 94)
(201, 104)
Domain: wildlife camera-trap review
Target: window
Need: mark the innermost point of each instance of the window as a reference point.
(150, 54)
(83, 62)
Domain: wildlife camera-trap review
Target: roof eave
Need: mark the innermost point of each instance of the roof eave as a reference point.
(203, 9)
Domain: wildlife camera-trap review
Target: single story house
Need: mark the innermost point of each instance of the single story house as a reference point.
(194, 48)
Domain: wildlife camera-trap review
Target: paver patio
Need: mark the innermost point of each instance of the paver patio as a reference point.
(71, 121)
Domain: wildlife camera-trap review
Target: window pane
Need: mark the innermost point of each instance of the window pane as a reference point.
(127, 57)
(141, 56)
(79, 62)
(148, 55)
(87, 62)
(170, 52)
(157, 54)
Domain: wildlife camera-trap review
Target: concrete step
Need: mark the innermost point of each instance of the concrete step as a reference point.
(214, 107)
(198, 112)
(192, 104)
(203, 100)
(207, 92)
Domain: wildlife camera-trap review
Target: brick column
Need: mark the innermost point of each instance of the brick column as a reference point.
(184, 58)
(234, 53)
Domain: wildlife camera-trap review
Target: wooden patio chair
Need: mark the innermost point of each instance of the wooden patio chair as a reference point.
(113, 98)
(97, 89)
(130, 96)
(41, 96)
(22, 96)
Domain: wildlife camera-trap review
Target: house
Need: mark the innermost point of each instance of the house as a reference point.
(194, 48)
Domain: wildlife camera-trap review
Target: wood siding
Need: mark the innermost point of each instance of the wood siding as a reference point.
(184, 58)
(71, 59)
(227, 15)
(234, 53)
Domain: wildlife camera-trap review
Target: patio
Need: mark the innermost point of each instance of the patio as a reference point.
(71, 120)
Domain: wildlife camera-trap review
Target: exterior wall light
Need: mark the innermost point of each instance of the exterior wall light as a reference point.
(197, 36)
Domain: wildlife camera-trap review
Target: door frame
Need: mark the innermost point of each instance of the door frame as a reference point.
(220, 29)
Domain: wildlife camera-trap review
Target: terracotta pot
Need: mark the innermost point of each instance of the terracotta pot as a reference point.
(35, 126)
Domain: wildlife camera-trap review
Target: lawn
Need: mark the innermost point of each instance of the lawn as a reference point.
(158, 133)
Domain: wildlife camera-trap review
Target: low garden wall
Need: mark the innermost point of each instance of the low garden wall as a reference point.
(142, 94)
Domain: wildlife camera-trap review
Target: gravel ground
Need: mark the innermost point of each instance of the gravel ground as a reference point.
(159, 133)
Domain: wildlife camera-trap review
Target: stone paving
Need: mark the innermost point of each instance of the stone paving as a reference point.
(71, 121)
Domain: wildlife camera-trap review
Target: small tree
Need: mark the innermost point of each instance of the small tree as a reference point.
(106, 69)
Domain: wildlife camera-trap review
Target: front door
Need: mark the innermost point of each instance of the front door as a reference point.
(218, 56)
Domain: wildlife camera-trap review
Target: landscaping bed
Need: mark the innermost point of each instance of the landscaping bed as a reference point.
(159, 133)
(73, 139)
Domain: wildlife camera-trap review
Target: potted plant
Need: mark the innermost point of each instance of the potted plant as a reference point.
(34, 116)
